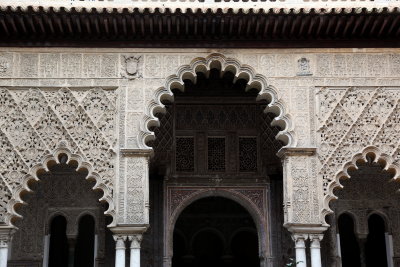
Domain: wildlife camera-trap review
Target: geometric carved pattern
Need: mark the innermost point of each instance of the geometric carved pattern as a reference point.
(185, 154)
(247, 154)
(34, 122)
(197, 117)
(216, 154)
(249, 119)
(352, 119)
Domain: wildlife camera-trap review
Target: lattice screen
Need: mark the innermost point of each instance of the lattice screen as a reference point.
(247, 154)
(184, 154)
(216, 154)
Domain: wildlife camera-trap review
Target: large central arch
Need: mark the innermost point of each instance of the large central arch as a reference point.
(259, 216)
(223, 64)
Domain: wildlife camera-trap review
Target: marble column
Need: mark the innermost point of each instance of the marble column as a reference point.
(119, 250)
(300, 246)
(71, 251)
(315, 248)
(3, 253)
(135, 249)
(362, 241)
(5, 240)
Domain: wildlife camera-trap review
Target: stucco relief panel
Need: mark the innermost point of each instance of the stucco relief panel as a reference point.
(302, 198)
(136, 199)
(34, 122)
(353, 118)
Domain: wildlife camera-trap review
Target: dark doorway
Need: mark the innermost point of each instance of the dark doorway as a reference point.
(58, 255)
(215, 232)
(84, 250)
(375, 248)
(349, 247)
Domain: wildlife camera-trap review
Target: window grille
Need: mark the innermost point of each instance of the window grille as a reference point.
(247, 154)
(216, 154)
(184, 154)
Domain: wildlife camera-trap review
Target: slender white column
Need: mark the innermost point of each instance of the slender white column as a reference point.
(96, 245)
(389, 249)
(315, 248)
(71, 251)
(119, 250)
(3, 253)
(300, 245)
(135, 250)
(5, 240)
(46, 242)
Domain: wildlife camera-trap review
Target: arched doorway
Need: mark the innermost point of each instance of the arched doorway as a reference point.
(364, 238)
(56, 228)
(375, 247)
(215, 231)
(215, 136)
(85, 242)
(350, 250)
(58, 251)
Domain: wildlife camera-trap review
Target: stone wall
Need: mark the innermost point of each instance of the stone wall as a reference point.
(309, 87)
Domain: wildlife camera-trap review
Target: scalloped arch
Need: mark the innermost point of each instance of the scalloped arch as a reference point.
(371, 152)
(52, 159)
(204, 65)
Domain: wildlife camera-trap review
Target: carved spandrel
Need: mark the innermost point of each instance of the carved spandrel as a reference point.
(44, 118)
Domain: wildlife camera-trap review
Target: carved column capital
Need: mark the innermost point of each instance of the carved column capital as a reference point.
(300, 239)
(120, 241)
(136, 240)
(316, 240)
(6, 235)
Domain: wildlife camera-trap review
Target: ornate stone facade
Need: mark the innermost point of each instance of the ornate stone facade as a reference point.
(334, 109)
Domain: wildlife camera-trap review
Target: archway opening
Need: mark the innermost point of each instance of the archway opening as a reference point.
(215, 133)
(85, 243)
(349, 247)
(61, 191)
(375, 247)
(215, 232)
(370, 190)
(58, 252)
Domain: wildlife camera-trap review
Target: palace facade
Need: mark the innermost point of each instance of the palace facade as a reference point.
(199, 133)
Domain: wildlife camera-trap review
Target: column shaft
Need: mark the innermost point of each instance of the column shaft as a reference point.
(3, 256)
(5, 240)
(120, 251)
(315, 250)
(135, 249)
(300, 246)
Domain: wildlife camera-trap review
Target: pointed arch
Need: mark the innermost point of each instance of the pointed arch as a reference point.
(204, 65)
(62, 154)
(373, 153)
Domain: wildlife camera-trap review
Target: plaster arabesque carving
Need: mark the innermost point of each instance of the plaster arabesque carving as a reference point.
(357, 124)
(41, 124)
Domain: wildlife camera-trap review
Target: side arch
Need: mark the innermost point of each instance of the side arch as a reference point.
(370, 153)
(62, 154)
(259, 220)
(204, 65)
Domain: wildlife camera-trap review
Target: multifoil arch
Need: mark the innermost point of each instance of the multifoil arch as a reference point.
(204, 65)
(368, 154)
(62, 154)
